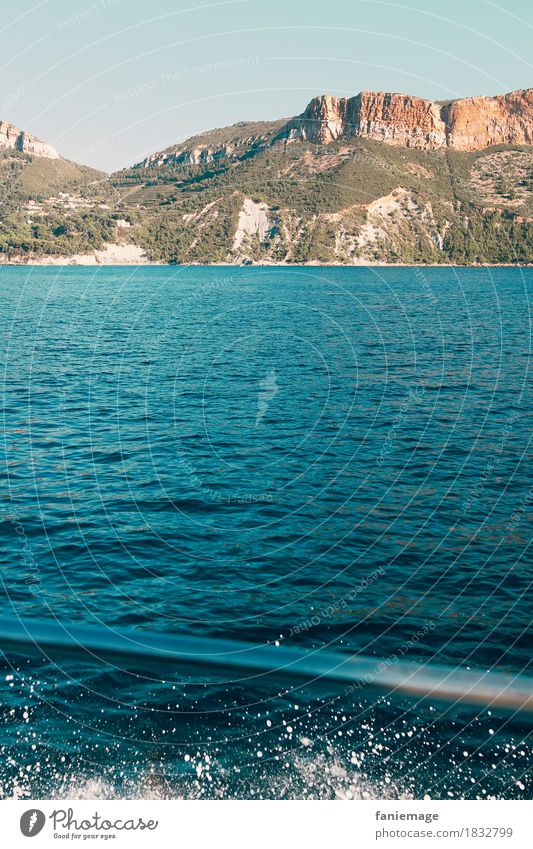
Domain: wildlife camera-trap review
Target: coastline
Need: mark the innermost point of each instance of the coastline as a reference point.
(126, 254)
(114, 261)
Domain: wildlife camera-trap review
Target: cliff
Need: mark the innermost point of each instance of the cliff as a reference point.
(469, 124)
(478, 122)
(11, 138)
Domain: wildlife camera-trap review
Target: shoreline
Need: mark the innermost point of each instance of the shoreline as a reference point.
(127, 254)
(72, 262)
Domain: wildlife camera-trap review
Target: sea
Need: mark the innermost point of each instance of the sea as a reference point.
(306, 457)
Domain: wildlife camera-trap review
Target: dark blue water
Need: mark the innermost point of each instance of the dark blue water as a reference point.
(314, 456)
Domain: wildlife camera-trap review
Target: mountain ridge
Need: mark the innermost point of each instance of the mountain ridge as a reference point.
(470, 123)
(378, 178)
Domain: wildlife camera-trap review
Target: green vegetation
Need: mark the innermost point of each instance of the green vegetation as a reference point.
(52, 206)
(24, 177)
(55, 234)
(315, 193)
(492, 238)
(353, 200)
(169, 238)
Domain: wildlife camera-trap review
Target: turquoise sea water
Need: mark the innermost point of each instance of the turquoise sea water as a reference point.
(311, 456)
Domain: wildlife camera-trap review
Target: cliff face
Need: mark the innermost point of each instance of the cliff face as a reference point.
(11, 138)
(325, 119)
(470, 124)
(400, 119)
(478, 122)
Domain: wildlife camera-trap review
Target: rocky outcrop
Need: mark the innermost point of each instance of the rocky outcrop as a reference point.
(325, 119)
(478, 122)
(255, 219)
(196, 155)
(11, 138)
(400, 119)
(469, 124)
(236, 142)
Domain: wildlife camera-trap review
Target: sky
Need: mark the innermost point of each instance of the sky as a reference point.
(109, 81)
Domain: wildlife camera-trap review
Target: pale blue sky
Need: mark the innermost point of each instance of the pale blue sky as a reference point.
(108, 81)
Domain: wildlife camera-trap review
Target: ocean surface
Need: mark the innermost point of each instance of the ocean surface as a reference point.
(315, 456)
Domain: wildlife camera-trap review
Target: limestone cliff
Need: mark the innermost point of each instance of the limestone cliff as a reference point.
(478, 122)
(11, 138)
(469, 124)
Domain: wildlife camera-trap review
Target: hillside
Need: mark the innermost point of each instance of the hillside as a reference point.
(377, 178)
(49, 205)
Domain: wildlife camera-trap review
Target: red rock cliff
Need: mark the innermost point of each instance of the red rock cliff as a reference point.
(401, 119)
(477, 122)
